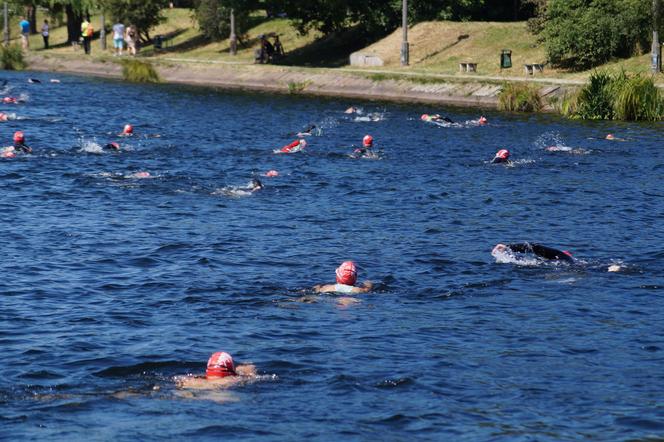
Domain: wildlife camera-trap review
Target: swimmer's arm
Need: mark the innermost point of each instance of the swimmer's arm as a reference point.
(246, 370)
(520, 247)
(364, 288)
(324, 288)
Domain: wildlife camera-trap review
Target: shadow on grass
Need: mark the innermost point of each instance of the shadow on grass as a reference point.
(331, 51)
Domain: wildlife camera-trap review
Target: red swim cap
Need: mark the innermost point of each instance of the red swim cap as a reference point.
(128, 129)
(482, 120)
(503, 154)
(9, 100)
(114, 145)
(272, 173)
(19, 137)
(367, 141)
(347, 273)
(566, 252)
(220, 365)
(424, 117)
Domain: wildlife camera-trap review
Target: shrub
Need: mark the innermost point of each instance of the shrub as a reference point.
(619, 97)
(138, 71)
(580, 34)
(521, 97)
(11, 58)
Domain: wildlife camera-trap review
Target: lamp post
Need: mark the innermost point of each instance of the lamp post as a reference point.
(233, 35)
(404, 25)
(656, 53)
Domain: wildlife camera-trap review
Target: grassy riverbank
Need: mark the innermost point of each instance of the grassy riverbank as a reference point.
(436, 48)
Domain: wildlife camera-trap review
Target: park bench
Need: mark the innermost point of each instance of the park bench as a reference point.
(467, 66)
(531, 68)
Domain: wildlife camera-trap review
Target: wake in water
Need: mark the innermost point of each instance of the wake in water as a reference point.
(238, 192)
(554, 142)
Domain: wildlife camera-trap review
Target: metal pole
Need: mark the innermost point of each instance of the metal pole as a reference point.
(102, 32)
(656, 52)
(233, 35)
(6, 31)
(404, 25)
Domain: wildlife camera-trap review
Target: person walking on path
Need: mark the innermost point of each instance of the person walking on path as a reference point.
(25, 33)
(87, 31)
(118, 37)
(44, 32)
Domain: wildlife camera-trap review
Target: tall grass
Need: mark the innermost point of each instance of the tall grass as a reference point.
(11, 58)
(619, 96)
(138, 71)
(520, 97)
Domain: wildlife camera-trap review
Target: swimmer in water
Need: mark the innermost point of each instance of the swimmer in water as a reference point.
(307, 131)
(127, 131)
(10, 100)
(436, 118)
(293, 147)
(502, 156)
(346, 279)
(221, 373)
(482, 121)
(365, 151)
(255, 185)
(19, 143)
(351, 110)
(112, 146)
(7, 117)
(271, 173)
(536, 249)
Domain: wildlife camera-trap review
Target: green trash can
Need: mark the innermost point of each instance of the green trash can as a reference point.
(505, 59)
(158, 42)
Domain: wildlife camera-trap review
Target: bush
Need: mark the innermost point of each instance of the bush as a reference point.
(11, 58)
(580, 34)
(619, 97)
(519, 97)
(139, 72)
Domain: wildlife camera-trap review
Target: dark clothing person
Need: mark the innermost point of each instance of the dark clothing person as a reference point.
(278, 48)
(44, 31)
(541, 251)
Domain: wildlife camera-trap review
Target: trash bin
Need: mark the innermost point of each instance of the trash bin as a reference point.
(158, 42)
(505, 59)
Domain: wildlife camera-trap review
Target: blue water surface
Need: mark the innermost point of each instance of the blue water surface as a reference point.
(113, 284)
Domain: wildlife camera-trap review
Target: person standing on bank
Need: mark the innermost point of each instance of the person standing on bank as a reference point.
(44, 32)
(131, 38)
(25, 33)
(87, 31)
(118, 37)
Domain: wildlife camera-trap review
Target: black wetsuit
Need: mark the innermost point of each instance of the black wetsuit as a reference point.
(541, 251)
(22, 147)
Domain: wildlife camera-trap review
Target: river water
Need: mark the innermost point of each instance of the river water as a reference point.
(113, 283)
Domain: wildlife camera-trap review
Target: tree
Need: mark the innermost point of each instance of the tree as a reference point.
(144, 14)
(580, 34)
(213, 16)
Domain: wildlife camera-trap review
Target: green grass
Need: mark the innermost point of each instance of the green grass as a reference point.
(436, 47)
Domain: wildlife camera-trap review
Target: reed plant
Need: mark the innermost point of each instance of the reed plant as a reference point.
(619, 96)
(11, 58)
(138, 71)
(520, 97)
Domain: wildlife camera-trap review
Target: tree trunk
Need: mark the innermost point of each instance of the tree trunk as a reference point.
(74, 20)
(31, 12)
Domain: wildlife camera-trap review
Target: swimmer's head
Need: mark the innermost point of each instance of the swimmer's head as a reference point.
(367, 141)
(220, 365)
(114, 145)
(347, 273)
(128, 129)
(500, 248)
(271, 173)
(482, 120)
(256, 184)
(303, 143)
(3, 116)
(19, 137)
(350, 110)
(9, 100)
(424, 117)
(503, 154)
(610, 137)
